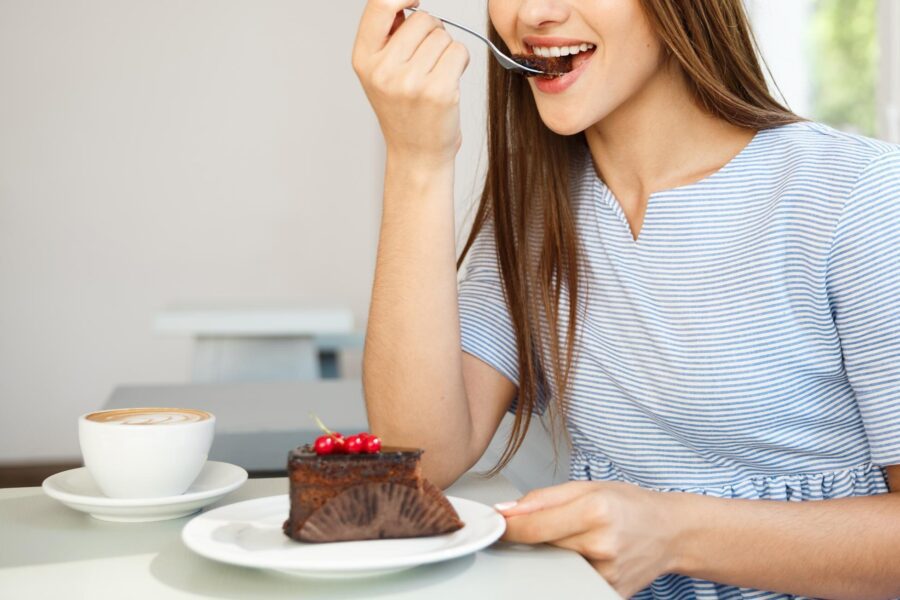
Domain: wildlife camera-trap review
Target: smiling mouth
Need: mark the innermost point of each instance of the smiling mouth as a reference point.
(551, 67)
(552, 62)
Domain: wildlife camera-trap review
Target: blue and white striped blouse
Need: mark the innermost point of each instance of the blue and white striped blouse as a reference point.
(747, 345)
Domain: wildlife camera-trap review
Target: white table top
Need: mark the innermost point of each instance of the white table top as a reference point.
(50, 551)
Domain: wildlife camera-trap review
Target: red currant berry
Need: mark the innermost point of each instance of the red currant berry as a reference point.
(354, 445)
(324, 445)
(373, 445)
(340, 444)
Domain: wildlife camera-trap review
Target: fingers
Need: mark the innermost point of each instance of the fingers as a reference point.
(553, 523)
(415, 31)
(438, 62)
(399, 18)
(594, 547)
(453, 62)
(546, 497)
(377, 23)
(419, 44)
(430, 51)
(410, 70)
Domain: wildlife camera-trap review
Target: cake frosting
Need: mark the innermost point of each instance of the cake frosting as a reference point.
(343, 497)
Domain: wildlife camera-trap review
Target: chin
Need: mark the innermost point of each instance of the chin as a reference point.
(564, 122)
(566, 129)
(569, 118)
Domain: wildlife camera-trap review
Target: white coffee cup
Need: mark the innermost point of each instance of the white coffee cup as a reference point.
(145, 452)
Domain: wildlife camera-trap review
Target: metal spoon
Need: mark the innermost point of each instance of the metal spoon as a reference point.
(505, 61)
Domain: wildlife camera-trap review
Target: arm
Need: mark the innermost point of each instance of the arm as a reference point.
(412, 371)
(844, 547)
(420, 389)
(841, 548)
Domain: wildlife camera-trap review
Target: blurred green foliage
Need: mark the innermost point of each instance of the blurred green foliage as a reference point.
(845, 64)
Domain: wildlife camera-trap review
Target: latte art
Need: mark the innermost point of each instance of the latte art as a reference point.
(147, 451)
(149, 416)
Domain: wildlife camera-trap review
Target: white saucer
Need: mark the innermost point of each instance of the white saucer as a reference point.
(76, 489)
(249, 534)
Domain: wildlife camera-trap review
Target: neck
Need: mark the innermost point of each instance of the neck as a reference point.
(661, 139)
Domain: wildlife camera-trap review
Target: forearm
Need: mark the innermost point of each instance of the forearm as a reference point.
(841, 548)
(412, 364)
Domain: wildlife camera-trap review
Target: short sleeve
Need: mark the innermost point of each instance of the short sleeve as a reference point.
(863, 283)
(485, 325)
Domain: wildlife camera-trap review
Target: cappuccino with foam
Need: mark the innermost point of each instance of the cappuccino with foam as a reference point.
(149, 416)
(145, 452)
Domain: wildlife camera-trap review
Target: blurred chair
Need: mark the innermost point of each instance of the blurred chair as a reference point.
(263, 344)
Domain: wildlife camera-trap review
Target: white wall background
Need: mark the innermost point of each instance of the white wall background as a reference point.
(161, 152)
(780, 29)
(783, 32)
(151, 153)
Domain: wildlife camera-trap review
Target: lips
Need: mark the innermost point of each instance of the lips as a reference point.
(551, 67)
(582, 57)
(554, 55)
(530, 41)
(559, 84)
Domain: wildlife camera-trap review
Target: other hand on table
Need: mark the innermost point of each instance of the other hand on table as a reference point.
(626, 532)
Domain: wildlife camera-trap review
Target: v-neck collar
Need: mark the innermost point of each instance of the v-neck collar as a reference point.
(602, 192)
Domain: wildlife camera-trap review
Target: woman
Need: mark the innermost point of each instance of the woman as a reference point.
(701, 284)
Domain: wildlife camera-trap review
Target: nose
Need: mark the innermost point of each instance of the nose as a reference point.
(538, 14)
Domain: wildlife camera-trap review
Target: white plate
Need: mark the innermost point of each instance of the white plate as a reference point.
(249, 534)
(76, 489)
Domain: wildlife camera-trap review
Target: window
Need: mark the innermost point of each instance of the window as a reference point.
(835, 61)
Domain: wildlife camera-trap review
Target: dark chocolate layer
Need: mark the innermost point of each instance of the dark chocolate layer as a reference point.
(315, 479)
(552, 66)
(338, 497)
(373, 511)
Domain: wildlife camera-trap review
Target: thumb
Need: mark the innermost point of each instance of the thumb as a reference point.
(543, 498)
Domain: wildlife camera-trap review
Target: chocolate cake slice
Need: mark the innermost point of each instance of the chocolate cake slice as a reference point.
(343, 497)
(551, 66)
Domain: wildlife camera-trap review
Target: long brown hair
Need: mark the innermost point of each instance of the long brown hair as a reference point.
(526, 190)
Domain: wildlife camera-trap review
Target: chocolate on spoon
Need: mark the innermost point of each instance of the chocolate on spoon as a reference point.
(552, 66)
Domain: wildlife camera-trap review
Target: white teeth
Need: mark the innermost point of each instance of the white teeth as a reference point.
(549, 51)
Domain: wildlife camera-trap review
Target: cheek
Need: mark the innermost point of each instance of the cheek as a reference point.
(571, 115)
(502, 14)
(638, 48)
(617, 72)
(630, 46)
(592, 104)
(626, 65)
